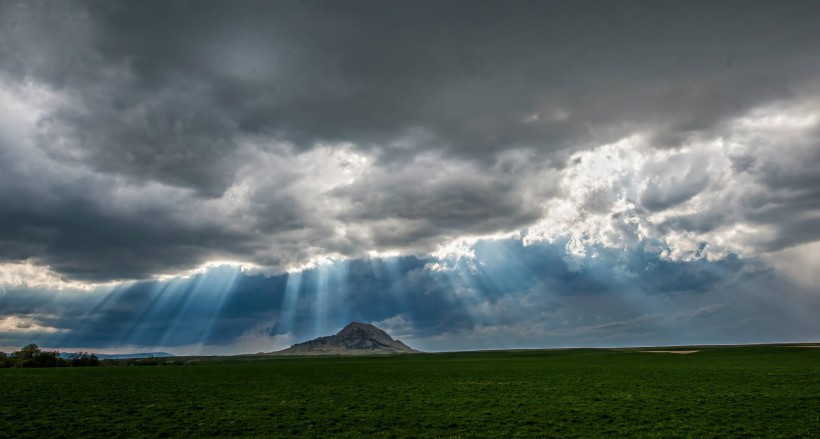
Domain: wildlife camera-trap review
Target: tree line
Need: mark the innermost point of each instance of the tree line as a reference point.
(32, 356)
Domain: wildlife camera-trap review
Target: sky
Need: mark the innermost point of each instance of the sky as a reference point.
(235, 177)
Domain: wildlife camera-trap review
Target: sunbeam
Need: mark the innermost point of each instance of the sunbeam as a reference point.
(396, 287)
(199, 306)
(156, 314)
(85, 323)
(221, 282)
(292, 294)
(320, 303)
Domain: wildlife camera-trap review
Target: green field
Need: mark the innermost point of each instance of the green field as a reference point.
(757, 391)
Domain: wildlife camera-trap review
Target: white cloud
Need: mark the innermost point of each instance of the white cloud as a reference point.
(31, 275)
(25, 325)
(706, 199)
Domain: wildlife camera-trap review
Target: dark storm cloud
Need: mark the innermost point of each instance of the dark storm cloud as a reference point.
(469, 74)
(94, 245)
(425, 205)
(87, 228)
(164, 88)
(172, 94)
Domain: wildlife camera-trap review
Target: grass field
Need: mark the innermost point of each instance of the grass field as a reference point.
(757, 391)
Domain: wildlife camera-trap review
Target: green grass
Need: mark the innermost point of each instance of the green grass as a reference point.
(758, 391)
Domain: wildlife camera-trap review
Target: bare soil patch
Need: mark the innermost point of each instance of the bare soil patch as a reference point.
(672, 352)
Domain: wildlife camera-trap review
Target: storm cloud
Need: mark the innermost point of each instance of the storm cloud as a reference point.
(143, 140)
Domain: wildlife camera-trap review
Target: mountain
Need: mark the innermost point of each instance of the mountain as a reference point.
(354, 339)
(123, 356)
(135, 355)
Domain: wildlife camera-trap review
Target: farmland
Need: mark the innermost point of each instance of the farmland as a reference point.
(759, 391)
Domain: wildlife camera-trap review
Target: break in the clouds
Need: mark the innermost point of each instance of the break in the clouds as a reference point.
(142, 140)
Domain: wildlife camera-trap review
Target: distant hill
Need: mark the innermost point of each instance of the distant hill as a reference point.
(354, 339)
(123, 356)
(135, 355)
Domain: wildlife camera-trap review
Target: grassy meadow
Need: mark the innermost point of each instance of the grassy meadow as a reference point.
(755, 391)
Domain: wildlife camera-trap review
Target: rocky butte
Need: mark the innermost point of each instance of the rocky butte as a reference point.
(354, 339)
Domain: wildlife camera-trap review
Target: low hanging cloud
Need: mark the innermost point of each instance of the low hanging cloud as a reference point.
(506, 295)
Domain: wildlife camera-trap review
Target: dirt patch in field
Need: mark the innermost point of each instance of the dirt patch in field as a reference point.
(671, 352)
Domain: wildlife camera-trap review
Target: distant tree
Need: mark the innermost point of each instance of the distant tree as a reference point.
(83, 359)
(32, 356)
(26, 356)
(93, 360)
(27, 352)
(49, 359)
(5, 361)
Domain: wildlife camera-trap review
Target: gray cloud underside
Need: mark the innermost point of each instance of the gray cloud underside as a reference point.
(189, 131)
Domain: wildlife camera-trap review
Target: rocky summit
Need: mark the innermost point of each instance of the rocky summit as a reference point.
(354, 339)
